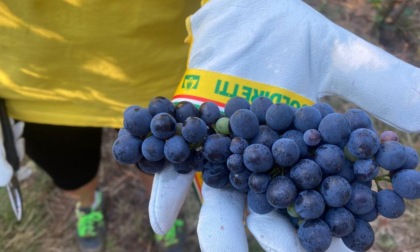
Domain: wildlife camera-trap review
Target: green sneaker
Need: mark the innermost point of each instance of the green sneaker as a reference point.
(91, 225)
(174, 239)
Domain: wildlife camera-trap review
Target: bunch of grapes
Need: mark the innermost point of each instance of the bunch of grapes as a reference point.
(316, 166)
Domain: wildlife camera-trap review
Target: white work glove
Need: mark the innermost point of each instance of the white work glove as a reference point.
(6, 170)
(290, 51)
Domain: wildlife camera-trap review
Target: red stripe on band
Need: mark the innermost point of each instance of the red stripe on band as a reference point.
(192, 97)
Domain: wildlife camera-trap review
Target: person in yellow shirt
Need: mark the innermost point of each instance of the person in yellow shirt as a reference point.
(69, 68)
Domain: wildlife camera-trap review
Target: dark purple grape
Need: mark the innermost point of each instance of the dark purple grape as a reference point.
(361, 200)
(361, 238)
(312, 137)
(314, 235)
(176, 149)
(391, 155)
(161, 104)
(215, 175)
(238, 145)
(365, 169)
(306, 118)
(122, 131)
(163, 126)
(266, 136)
(259, 107)
(126, 149)
(279, 116)
(239, 180)
(347, 171)
(243, 123)
(235, 163)
(234, 104)
(152, 148)
(412, 158)
(285, 152)
(137, 121)
(281, 192)
(209, 112)
(330, 158)
(336, 191)
(407, 184)
(297, 136)
(358, 118)
(306, 174)
(150, 167)
(324, 108)
(194, 130)
(185, 109)
(258, 158)
(259, 182)
(389, 135)
(363, 143)
(309, 204)
(340, 220)
(258, 202)
(216, 148)
(334, 128)
(390, 204)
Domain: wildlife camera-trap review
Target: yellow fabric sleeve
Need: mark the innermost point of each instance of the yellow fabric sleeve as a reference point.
(81, 63)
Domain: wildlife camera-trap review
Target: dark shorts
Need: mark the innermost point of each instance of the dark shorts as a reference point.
(70, 155)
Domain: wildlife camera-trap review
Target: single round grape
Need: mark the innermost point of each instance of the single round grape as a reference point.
(163, 126)
(215, 175)
(235, 163)
(216, 148)
(234, 104)
(279, 116)
(258, 202)
(309, 204)
(330, 158)
(259, 182)
(285, 152)
(365, 169)
(152, 148)
(259, 107)
(209, 112)
(297, 136)
(363, 143)
(314, 235)
(222, 126)
(194, 130)
(161, 104)
(361, 238)
(150, 167)
(406, 183)
(347, 171)
(307, 117)
(176, 149)
(185, 109)
(340, 220)
(306, 174)
(239, 180)
(361, 200)
(137, 120)
(358, 118)
(391, 155)
(372, 214)
(324, 108)
(258, 158)
(336, 191)
(266, 136)
(281, 192)
(390, 204)
(196, 160)
(126, 149)
(389, 135)
(243, 123)
(412, 158)
(312, 137)
(238, 145)
(334, 128)
(122, 131)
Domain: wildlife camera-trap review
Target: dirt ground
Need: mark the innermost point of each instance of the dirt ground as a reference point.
(48, 225)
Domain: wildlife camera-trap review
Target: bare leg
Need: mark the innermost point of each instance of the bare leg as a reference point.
(85, 194)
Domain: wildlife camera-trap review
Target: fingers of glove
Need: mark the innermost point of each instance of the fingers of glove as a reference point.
(6, 170)
(169, 191)
(274, 232)
(221, 224)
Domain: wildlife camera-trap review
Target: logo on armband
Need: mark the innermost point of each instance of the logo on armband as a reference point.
(190, 81)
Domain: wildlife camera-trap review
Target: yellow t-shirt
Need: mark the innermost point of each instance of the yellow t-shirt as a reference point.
(82, 62)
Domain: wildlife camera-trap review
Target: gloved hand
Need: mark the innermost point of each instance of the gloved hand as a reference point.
(289, 52)
(6, 170)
